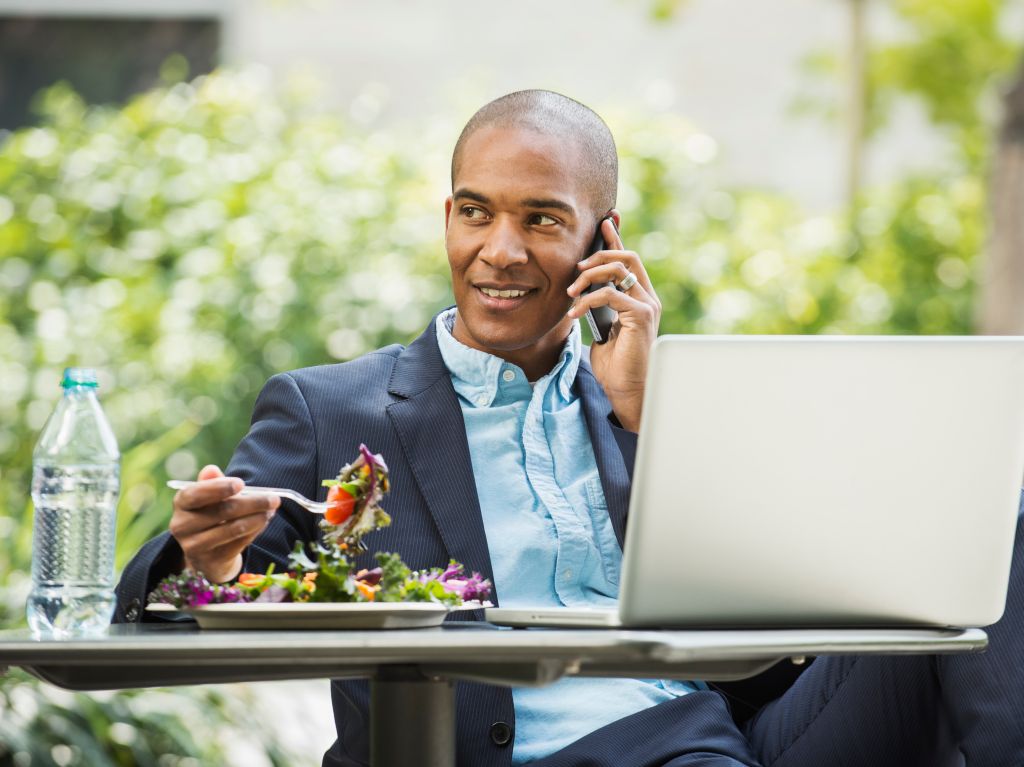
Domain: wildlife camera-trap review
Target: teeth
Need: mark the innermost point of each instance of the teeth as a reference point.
(503, 293)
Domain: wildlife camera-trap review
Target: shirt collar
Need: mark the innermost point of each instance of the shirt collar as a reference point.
(477, 375)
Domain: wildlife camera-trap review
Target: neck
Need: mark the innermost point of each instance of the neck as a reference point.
(536, 359)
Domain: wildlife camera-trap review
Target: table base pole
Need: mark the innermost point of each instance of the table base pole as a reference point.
(412, 719)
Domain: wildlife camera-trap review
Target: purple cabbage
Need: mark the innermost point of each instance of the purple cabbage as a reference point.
(474, 588)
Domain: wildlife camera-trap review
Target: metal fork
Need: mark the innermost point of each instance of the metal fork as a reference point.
(303, 501)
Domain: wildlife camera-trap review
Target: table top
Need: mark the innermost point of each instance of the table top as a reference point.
(143, 655)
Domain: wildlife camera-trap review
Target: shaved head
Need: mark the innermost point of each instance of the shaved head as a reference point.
(553, 114)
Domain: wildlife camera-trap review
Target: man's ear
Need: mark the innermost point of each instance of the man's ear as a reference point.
(616, 219)
(447, 213)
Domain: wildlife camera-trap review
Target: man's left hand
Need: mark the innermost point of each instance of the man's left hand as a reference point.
(620, 364)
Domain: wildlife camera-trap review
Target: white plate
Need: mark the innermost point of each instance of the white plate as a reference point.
(314, 615)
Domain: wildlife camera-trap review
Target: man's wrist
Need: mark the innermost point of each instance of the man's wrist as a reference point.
(626, 407)
(627, 412)
(215, 574)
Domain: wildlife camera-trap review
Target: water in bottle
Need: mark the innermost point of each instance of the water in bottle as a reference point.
(75, 481)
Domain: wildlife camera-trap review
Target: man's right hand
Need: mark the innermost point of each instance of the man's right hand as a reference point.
(213, 524)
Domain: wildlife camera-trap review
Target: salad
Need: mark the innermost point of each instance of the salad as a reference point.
(323, 570)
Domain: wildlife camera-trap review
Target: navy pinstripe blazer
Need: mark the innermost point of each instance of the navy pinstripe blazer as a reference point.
(399, 401)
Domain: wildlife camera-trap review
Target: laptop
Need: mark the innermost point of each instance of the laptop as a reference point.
(827, 481)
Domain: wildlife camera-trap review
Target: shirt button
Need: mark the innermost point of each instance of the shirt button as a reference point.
(501, 734)
(481, 400)
(568, 574)
(508, 376)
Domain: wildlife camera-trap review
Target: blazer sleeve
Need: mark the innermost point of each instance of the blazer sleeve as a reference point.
(278, 451)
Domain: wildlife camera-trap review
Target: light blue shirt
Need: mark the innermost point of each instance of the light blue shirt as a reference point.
(548, 531)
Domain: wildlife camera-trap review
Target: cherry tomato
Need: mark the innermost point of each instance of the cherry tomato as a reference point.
(340, 505)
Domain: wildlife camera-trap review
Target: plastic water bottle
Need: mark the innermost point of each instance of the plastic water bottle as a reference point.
(75, 480)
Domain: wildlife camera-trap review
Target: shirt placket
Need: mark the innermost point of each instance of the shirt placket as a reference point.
(570, 537)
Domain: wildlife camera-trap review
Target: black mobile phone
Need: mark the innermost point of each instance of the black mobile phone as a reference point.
(601, 318)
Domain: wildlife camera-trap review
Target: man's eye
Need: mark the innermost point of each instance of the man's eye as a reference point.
(470, 211)
(539, 219)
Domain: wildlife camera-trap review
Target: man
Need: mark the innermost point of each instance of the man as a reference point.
(511, 447)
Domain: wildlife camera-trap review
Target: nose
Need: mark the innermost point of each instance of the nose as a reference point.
(503, 245)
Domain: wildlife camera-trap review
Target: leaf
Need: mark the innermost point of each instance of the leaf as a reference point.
(298, 560)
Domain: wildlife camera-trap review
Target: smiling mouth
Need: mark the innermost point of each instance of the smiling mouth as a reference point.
(495, 293)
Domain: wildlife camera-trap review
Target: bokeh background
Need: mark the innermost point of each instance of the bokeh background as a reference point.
(196, 194)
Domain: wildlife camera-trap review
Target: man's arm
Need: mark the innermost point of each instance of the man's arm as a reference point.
(279, 451)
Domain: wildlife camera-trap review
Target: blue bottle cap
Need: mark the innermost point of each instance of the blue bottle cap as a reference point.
(79, 377)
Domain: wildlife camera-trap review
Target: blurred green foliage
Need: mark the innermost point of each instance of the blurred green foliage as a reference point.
(744, 261)
(955, 55)
(189, 245)
(188, 727)
(949, 57)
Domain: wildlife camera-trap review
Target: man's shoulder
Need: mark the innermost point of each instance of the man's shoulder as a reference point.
(370, 368)
(378, 358)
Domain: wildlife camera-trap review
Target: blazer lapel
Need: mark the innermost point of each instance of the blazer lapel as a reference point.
(614, 479)
(428, 420)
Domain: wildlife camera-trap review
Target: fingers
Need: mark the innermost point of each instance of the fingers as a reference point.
(225, 540)
(612, 265)
(614, 272)
(612, 239)
(213, 523)
(213, 539)
(621, 262)
(189, 522)
(625, 305)
(637, 303)
(207, 492)
(210, 472)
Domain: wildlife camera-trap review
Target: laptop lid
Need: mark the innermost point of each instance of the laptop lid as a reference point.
(825, 480)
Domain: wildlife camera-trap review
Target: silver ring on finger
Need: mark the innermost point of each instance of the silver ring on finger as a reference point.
(627, 282)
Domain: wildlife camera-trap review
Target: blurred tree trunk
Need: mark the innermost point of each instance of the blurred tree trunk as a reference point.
(1002, 304)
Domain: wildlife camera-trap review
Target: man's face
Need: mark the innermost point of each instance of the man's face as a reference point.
(516, 224)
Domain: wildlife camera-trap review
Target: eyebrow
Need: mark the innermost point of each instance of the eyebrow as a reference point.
(469, 194)
(529, 202)
(534, 202)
